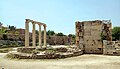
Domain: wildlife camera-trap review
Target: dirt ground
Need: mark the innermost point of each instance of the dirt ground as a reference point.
(87, 61)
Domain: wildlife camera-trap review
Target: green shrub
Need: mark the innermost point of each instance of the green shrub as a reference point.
(5, 50)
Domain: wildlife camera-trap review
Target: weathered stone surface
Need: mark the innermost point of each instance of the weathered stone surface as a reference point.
(61, 49)
(111, 48)
(25, 50)
(47, 54)
(77, 53)
(57, 40)
(88, 35)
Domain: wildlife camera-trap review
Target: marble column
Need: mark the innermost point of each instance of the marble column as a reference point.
(33, 35)
(40, 36)
(45, 35)
(27, 33)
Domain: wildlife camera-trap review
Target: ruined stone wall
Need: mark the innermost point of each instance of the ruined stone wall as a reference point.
(13, 37)
(52, 40)
(107, 31)
(57, 40)
(18, 37)
(80, 35)
(88, 35)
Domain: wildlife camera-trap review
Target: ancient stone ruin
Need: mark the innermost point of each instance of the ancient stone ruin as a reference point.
(47, 52)
(88, 35)
(91, 36)
(33, 33)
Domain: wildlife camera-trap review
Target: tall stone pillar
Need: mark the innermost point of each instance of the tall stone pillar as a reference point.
(40, 36)
(27, 33)
(45, 35)
(77, 37)
(33, 35)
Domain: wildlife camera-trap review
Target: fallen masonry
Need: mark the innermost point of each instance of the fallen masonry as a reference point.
(45, 53)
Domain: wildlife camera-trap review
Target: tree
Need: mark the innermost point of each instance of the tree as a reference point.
(16, 32)
(0, 25)
(116, 33)
(11, 27)
(103, 37)
(72, 37)
(50, 33)
(4, 32)
(60, 34)
(36, 31)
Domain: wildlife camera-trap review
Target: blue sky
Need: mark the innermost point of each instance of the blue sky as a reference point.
(59, 15)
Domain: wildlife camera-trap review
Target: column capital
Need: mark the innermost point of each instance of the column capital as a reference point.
(33, 22)
(45, 25)
(27, 20)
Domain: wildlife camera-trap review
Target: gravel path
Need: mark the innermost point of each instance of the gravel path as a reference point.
(87, 61)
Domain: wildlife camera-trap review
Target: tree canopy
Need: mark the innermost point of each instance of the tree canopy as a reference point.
(60, 34)
(3, 31)
(116, 33)
(72, 35)
(11, 27)
(50, 33)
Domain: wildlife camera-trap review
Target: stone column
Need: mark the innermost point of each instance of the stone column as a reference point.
(40, 36)
(45, 35)
(27, 33)
(33, 35)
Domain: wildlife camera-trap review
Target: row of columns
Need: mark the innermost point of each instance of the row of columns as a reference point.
(34, 33)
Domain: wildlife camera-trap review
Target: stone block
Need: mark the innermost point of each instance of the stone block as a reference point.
(25, 50)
